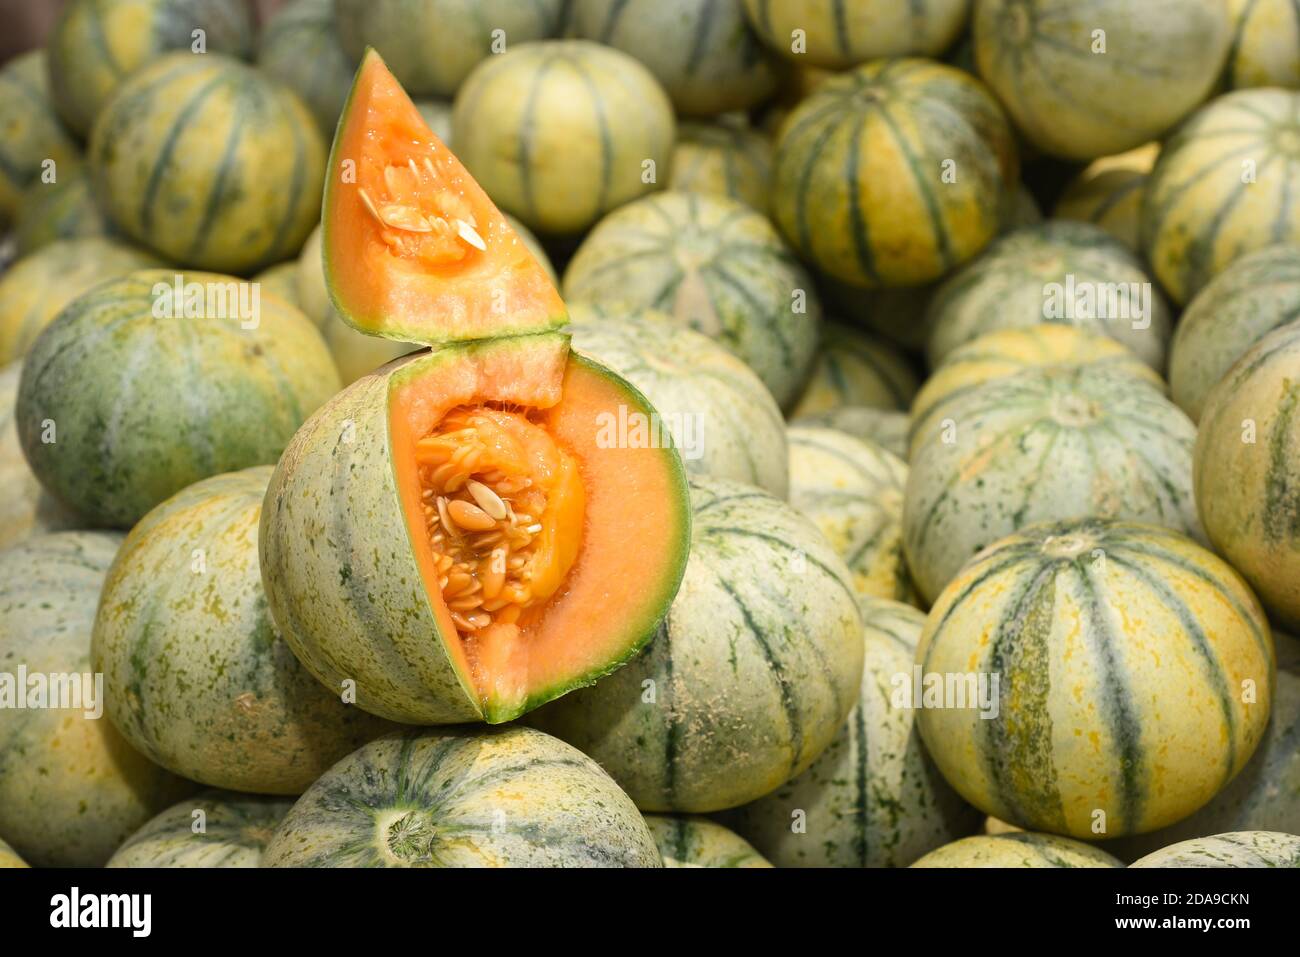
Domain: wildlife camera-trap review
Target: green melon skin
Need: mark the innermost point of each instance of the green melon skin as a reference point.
(705, 54)
(1255, 295)
(856, 368)
(1005, 288)
(341, 576)
(1236, 849)
(210, 163)
(63, 209)
(724, 159)
(37, 287)
(32, 131)
(1020, 849)
(464, 797)
(141, 406)
(196, 676)
(690, 841)
(714, 265)
(873, 798)
(71, 788)
(883, 427)
(9, 858)
(96, 45)
(300, 47)
(1265, 48)
(234, 829)
(749, 677)
(735, 428)
(26, 509)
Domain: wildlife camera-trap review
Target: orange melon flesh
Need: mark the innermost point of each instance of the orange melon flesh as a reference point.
(403, 226)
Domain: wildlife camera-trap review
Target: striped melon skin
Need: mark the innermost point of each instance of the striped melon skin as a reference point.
(63, 209)
(855, 368)
(9, 858)
(432, 46)
(853, 492)
(235, 829)
(1199, 214)
(1017, 850)
(873, 798)
(1235, 849)
(883, 427)
(724, 159)
(1265, 48)
(234, 709)
(1108, 193)
(1048, 444)
(714, 265)
(507, 797)
(1128, 637)
(730, 426)
(1006, 352)
(749, 677)
(208, 162)
(839, 34)
(300, 47)
(281, 280)
(1255, 295)
(32, 134)
(1008, 287)
(1074, 100)
(858, 183)
(97, 44)
(705, 54)
(37, 287)
(143, 406)
(689, 841)
(1247, 468)
(71, 788)
(596, 107)
(26, 509)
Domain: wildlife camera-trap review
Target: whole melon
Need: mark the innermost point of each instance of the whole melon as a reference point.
(32, 131)
(25, 507)
(692, 841)
(856, 368)
(724, 159)
(63, 209)
(131, 394)
(464, 797)
(1020, 849)
(1108, 193)
(71, 788)
(595, 107)
(714, 265)
(1265, 47)
(1236, 849)
(836, 34)
(212, 829)
(749, 677)
(1129, 637)
(884, 427)
(300, 47)
(208, 162)
(1093, 81)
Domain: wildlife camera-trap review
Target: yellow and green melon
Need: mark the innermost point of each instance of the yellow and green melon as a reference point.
(835, 34)
(1020, 849)
(725, 159)
(63, 209)
(33, 134)
(694, 841)
(856, 368)
(1265, 47)
(1108, 193)
(211, 829)
(1236, 849)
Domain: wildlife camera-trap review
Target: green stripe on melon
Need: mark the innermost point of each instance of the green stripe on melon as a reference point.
(1017, 850)
(26, 509)
(1237, 849)
(212, 829)
(840, 34)
(1109, 194)
(689, 841)
(1125, 653)
(855, 368)
(883, 427)
(300, 47)
(714, 265)
(724, 159)
(508, 797)
(1265, 48)
(32, 132)
(63, 209)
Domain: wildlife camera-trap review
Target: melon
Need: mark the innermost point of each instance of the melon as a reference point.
(1234, 849)
(856, 368)
(853, 492)
(209, 163)
(893, 173)
(135, 391)
(1017, 850)
(433, 45)
(63, 209)
(1221, 188)
(723, 159)
(1108, 193)
(97, 45)
(1247, 470)
(25, 507)
(1265, 47)
(1047, 444)
(9, 857)
(693, 841)
(300, 47)
(1064, 272)
(884, 427)
(723, 420)
(1129, 637)
(714, 265)
(1087, 83)
(37, 287)
(705, 54)
(196, 676)
(71, 788)
(1255, 295)
(748, 678)
(212, 829)
(595, 106)
(831, 33)
(281, 280)
(873, 798)
(32, 132)
(504, 797)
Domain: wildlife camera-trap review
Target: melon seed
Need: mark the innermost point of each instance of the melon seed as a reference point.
(487, 499)
(470, 516)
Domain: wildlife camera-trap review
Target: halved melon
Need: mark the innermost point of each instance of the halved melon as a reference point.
(413, 247)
